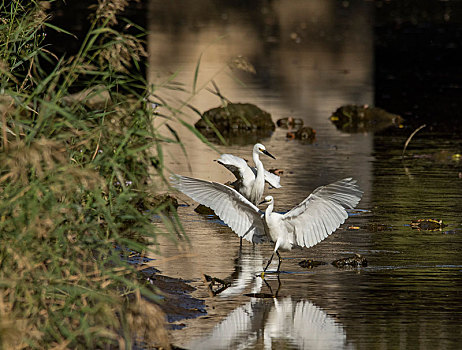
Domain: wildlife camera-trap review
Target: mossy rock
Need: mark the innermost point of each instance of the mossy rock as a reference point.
(352, 261)
(354, 118)
(236, 119)
(309, 263)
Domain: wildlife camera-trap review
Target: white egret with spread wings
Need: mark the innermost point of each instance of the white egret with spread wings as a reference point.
(305, 225)
(250, 181)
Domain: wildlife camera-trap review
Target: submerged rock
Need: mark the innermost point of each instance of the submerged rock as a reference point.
(428, 224)
(305, 133)
(309, 264)
(289, 123)
(202, 209)
(375, 227)
(236, 119)
(162, 202)
(352, 261)
(443, 157)
(353, 118)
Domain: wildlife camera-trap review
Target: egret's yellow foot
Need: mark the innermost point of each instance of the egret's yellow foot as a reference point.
(262, 275)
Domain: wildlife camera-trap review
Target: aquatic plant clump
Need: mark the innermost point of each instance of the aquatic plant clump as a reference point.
(74, 168)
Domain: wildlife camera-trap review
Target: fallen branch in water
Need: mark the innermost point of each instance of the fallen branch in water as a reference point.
(410, 137)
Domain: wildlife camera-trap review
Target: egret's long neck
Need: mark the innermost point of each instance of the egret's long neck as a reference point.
(269, 209)
(259, 165)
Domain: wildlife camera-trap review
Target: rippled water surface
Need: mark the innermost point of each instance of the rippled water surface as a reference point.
(410, 293)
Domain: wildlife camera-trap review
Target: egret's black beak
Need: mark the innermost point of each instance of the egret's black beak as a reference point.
(262, 202)
(268, 154)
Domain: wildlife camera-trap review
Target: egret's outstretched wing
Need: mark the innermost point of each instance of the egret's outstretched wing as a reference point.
(322, 212)
(237, 166)
(244, 173)
(273, 179)
(238, 213)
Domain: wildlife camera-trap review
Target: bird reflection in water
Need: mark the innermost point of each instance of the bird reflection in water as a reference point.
(245, 278)
(281, 323)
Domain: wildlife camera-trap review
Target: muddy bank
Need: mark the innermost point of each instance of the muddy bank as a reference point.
(178, 304)
(175, 293)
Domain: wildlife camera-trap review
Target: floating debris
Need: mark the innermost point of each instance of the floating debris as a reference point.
(428, 224)
(305, 133)
(352, 261)
(242, 63)
(309, 263)
(278, 172)
(215, 285)
(442, 157)
(289, 123)
(410, 138)
(379, 227)
(354, 118)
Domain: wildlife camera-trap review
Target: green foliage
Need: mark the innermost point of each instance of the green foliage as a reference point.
(74, 168)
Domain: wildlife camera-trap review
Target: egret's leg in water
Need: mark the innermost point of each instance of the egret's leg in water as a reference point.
(280, 260)
(269, 262)
(274, 295)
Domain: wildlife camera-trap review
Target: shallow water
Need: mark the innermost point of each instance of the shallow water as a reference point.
(410, 293)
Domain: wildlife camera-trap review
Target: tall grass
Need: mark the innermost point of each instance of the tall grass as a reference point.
(74, 171)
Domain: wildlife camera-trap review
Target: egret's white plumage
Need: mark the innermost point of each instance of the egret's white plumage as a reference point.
(250, 181)
(307, 224)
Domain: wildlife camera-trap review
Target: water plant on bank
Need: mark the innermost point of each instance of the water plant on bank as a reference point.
(74, 172)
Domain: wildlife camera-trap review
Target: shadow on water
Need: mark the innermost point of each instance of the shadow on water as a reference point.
(310, 59)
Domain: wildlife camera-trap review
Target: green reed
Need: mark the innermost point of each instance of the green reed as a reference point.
(75, 169)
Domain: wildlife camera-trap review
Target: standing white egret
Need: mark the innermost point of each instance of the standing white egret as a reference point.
(250, 181)
(305, 225)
